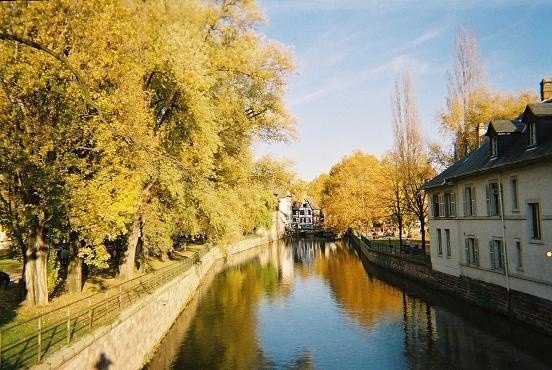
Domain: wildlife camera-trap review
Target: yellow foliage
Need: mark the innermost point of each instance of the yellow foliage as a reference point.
(352, 193)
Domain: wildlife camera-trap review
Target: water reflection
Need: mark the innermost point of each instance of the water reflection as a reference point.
(312, 304)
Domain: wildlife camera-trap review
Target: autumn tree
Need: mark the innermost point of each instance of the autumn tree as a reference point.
(466, 82)
(392, 194)
(317, 188)
(352, 194)
(132, 121)
(273, 174)
(409, 155)
(470, 103)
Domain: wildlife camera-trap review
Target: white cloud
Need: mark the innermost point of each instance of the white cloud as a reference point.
(386, 71)
(390, 5)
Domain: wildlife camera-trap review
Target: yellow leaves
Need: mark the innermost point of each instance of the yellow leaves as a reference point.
(352, 194)
(95, 256)
(183, 161)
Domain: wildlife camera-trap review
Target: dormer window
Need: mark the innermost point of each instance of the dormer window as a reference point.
(494, 146)
(532, 134)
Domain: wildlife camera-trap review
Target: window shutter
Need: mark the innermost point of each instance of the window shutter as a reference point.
(467, 252)
(500, 255)
(476, 249)
(453, 204)
(500, 205)
(473, 204)
(441, 205)
(492, 255)
(488, 194)
(465, 204)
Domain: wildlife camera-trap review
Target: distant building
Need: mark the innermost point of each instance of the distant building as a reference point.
(306, 214)
(491, 212)
(284, 207)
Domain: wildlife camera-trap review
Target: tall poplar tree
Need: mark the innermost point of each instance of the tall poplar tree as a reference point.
(410, 155)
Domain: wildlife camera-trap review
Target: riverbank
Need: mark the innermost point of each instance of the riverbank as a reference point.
(143, 325)
(516, 306)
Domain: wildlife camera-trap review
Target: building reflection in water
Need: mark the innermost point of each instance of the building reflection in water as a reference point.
(313, 304)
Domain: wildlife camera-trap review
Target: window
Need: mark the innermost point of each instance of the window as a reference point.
(302, 212)
(496, 254)
(435, 205)
(469, 201)
(535, 221)
(493, 201)
(472, 251)
(439, 244)
(517, 243)
(532, 134)
(514, 188)
(494, 146)
(309, 212)
(447, 241)
(450, 205)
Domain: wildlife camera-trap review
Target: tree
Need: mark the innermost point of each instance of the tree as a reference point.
(352, 193)
(317, 188)
(392, 190)
(410, 156)
(274, 175)
(470, 103)
(466, 83)
(136, 121)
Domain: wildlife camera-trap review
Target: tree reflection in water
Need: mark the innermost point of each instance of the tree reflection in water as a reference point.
(309, 304)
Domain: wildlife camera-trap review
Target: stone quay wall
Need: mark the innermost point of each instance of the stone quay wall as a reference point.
(517, 306)
(131, 339)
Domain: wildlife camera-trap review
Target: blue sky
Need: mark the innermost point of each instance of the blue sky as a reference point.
(349, 52)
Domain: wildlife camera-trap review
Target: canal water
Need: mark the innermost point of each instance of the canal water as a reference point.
(314, 304)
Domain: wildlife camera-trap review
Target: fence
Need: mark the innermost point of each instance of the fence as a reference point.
(24, 344)
(410, 252)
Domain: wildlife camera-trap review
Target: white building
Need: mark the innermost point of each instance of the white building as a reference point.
(284, 207)
(306, 214)
(491, 212)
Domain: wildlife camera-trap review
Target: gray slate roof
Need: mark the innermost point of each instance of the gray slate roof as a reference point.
(504, 126)
(539, 109)
(513, 149)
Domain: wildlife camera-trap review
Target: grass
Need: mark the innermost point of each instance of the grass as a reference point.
(9, 263)
(86, 312)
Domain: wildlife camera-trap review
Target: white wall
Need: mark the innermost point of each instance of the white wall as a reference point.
(534, 186)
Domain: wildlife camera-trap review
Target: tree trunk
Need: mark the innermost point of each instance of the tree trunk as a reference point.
(399, 220)
(74, 267)
(126, 268)
(35, 259)
(422, 231)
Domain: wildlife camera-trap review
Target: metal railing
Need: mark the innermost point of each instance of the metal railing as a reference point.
(414, 252)
(26, 343)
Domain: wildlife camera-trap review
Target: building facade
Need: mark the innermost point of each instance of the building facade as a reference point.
(491, 212)
(284, 207)
(306, 214)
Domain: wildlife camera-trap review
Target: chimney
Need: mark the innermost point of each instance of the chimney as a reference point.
(546, 88)
(480, 131)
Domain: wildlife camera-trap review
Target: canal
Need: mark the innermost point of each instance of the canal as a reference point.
(314, 304)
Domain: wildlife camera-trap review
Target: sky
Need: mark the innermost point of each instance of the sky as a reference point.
(348, 54)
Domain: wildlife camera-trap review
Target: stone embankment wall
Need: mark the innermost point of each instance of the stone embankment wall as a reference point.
(127, 343)
(521, 307)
